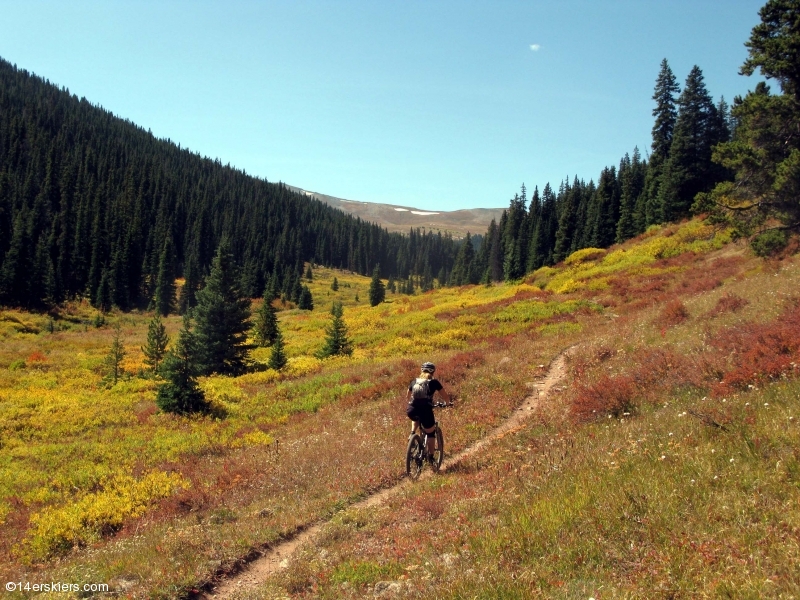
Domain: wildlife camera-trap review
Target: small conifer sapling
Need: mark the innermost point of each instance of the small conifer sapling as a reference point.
(277, 358)
(156, 344)
(180, 393)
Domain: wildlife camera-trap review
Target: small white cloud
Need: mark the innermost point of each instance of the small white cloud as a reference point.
(535, 47)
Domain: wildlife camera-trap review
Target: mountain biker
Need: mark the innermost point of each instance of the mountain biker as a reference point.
(420, 402)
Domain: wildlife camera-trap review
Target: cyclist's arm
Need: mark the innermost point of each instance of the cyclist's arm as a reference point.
(445, 395)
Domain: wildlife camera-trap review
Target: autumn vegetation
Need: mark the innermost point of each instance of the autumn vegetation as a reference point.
(680, 337)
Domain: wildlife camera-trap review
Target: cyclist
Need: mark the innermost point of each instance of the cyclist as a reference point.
(420, 403)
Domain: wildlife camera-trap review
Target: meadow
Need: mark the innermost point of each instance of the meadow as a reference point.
(667, 465)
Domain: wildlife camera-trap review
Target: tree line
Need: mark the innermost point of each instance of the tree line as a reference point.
(739, 165)
(94, 206)
(626, 199)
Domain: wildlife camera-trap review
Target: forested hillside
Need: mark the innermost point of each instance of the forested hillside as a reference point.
(625, 200)
(93, 205)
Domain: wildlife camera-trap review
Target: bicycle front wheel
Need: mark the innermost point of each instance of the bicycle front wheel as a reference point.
(438, 453)
(415, 457)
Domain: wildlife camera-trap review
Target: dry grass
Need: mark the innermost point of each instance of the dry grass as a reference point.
(579, 504)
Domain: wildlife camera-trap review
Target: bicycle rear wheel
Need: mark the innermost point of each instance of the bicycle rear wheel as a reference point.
(438, 453)
(415, 457)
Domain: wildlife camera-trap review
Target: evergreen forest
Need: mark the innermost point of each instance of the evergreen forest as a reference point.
(94, 206)
(626, 199)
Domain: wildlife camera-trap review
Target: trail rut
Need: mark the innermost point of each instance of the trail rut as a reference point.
(277, 557)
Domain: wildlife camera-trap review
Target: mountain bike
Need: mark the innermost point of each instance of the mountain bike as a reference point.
(417, 450)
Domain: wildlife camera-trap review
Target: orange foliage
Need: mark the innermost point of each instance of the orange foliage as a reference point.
(674, 313)
(36, 357)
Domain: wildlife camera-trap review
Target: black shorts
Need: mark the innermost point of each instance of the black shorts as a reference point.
(422, 413)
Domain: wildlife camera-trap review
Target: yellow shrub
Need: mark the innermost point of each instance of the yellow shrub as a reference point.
(566, 287)
(259, 378)
(302, 365)
(254, 438)
(55, 530)
(584, 255)
(222, 389)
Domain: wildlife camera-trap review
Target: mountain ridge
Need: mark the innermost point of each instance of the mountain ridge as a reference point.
(401, 218)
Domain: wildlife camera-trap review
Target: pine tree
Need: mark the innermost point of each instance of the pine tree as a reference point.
(266, 325)
(113, 360)
(164, 299)
(377, 292)
(296, 291)
(156, 345)
(764, 154)
(103, 299)
(567, 222)
(391, 286)
(463, 272)
(689, 170)
(191, 284)
(665, 114)
(277, 358)
(306, 299)
(309, 273)
(180, 393)
(222, 319)
(335, 284)
(336, 340)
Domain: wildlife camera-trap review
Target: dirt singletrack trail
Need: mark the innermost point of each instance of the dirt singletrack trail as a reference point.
(277, 557)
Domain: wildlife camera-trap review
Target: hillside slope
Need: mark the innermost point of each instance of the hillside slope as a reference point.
(94, 206)
(622, 485)
(402, 218)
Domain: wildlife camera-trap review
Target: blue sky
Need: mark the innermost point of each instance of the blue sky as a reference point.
(437, 104)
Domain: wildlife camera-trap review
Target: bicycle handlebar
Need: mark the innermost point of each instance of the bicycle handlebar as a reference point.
(442, 404)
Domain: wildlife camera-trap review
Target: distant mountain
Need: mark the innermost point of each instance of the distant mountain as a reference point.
(401, 218)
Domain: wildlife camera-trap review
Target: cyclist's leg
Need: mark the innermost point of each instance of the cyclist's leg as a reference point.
(431, 439)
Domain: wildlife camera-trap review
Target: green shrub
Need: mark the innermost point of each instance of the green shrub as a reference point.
(769, 242)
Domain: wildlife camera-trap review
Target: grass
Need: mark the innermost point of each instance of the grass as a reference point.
(595, 498)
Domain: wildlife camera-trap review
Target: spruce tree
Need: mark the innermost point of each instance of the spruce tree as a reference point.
(335, 284)
(222, 319)
(156, 345)
(309, 273)
(113, 360)
(277, 358)
(665, 114)
(164, 299)
(336, 340)
(377, 292)
(306, 299)
(180, 393)
(266, 325)
(689, 170)
(463, 272)
(764, 154)
(296, 291)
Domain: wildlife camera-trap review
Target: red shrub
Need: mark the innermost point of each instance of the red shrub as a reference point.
(674, 313)
(608, 395)
(727, 303)
(759, 352)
